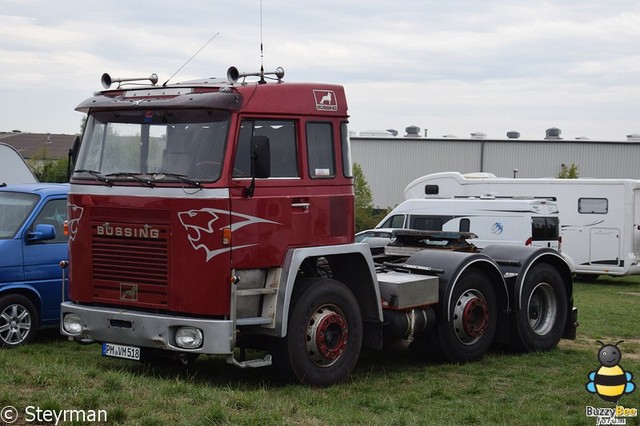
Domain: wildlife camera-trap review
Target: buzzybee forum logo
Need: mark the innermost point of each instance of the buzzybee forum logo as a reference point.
(610, 382)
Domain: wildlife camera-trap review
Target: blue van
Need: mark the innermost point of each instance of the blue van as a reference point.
(32, 245)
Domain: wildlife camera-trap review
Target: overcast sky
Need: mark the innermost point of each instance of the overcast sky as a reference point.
(453, 67)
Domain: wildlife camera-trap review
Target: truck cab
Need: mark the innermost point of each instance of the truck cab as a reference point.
(155, 182)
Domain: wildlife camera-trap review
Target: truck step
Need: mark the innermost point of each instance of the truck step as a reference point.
(253, 321)
(255, 291)
(251, 363)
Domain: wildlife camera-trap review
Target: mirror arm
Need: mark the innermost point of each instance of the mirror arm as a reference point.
(248, 191)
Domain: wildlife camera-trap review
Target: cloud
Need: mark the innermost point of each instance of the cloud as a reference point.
(453, 67)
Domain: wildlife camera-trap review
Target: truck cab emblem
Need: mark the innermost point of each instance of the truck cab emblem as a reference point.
(129, 292)
(325, 100)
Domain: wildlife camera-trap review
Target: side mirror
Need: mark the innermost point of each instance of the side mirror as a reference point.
(42, 232)
(73, 156)
(260, 157)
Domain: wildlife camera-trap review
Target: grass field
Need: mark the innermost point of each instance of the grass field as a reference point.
(388, 388)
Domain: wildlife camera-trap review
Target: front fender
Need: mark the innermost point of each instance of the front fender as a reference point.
(351, 264)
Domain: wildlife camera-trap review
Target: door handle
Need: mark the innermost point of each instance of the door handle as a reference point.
(300, 205)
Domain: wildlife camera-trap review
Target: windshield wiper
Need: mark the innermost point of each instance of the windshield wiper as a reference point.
(181, 178)
(96, 175)
(134, 176)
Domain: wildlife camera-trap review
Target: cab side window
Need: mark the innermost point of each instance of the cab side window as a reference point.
(283, 145)
(320, 150)
(54, 213)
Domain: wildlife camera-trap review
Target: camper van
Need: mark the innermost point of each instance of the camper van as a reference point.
(513, 220)
(13, 168)
(599, 218)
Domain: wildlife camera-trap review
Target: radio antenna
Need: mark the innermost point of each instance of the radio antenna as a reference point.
(189, 60)
(262, 81)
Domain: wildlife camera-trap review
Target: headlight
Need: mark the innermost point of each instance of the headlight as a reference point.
(72, 324)
(189, 337)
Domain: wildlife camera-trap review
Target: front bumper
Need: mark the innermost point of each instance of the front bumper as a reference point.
(148, 330)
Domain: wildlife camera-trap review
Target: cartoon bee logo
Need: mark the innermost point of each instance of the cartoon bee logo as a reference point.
(610, 381)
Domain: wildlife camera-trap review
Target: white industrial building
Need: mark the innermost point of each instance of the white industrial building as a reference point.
(389, 162)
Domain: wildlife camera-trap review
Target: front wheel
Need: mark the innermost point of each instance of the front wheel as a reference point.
(466, 333)
(18, 321)
(324, 334)
(541, 312)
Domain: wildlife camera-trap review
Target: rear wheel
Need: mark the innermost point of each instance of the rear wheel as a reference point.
(466, 333)
(541, 310)
(18, 321)
(324, 333)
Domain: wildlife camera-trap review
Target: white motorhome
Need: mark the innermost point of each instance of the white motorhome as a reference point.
(600, 218)
(505, 221)
(13, 168)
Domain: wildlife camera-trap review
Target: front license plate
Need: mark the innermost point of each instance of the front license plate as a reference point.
(121, 351)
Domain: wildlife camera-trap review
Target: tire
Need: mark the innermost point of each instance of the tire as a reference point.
(324, 334)
(469, 333)
(541, 312)
(18, 321)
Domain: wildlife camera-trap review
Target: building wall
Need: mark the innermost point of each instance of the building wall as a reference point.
(390, 164)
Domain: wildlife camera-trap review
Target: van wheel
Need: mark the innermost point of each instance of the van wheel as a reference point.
(324, 333)
(541, 311)
(473, 311)
(18, 321)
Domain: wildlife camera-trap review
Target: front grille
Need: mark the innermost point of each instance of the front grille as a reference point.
(130, 255)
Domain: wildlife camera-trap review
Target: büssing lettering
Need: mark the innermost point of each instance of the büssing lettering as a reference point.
(127, 232)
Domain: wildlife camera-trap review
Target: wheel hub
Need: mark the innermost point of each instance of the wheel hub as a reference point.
(327, 335)
(471, 317)
(15, 323)
(542, 309)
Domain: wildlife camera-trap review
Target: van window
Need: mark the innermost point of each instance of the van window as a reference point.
(16, 207)
(593, 205)
(395, 221)
(54, 213)
(431, 189)
(545, 228)
(428, 223)
(465, 225)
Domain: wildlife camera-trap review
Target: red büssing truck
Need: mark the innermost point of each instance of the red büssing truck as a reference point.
(218, 214)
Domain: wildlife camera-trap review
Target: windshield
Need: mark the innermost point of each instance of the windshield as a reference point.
(157, 144)
(14, 209)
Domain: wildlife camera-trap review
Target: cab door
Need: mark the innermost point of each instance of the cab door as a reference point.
(275, 213)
